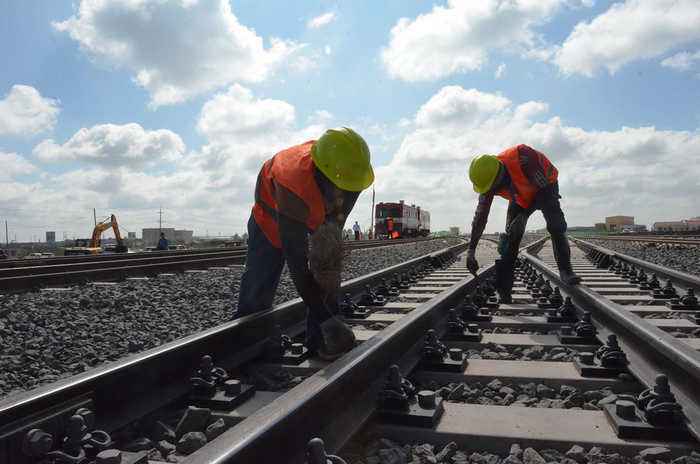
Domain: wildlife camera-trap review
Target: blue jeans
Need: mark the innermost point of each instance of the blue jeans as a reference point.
(263, 268)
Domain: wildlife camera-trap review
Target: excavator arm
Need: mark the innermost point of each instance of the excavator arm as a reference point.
(104, 225)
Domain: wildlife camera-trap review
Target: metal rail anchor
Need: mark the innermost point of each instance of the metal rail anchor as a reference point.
(608, 361)
(458, 330)
(653, 415)
(80, 443)
(212, 387)
(584, 332)
(316, 454)
(437, 357)
(399, 403)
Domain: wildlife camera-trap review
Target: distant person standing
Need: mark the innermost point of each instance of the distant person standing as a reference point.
(389, 228)
(356, 229)
(162, 242)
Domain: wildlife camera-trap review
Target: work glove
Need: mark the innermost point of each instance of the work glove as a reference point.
(472, 264)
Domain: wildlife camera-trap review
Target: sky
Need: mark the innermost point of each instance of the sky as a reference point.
(130, 106)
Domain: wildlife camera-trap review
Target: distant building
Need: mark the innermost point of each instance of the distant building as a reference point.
(454, 231)
(600, 226)
(685, 225)
(150, 237)
(616, 223)
(131, 235)
(50, 237)
(184, 237)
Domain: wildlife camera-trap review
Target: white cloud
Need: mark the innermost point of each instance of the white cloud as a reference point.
(128, 145)
(175, 49)
(25, 112)
(630, 170)
(321, 20)
(454, 105)
(682, 61)
(458, 37)
(629, 31)
(243, 130)
(500, 71)
(14, 165)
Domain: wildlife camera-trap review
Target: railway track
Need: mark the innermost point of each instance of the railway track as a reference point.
(536, 382)
(20, 275)
(137, 386)
(670, 240)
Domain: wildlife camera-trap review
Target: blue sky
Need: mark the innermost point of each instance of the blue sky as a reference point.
(590, 81)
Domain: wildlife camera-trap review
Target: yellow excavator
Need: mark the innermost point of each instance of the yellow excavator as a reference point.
(93, 247)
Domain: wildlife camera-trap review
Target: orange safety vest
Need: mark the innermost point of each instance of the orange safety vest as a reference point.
(525, 191)
(293, 170)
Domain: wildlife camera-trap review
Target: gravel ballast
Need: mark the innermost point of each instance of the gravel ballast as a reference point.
(373, 450)
(684, 258)
(49, 335)
(531, 394)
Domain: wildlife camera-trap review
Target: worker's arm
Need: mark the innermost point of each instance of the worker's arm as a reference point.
(294, 238)
(481, 217)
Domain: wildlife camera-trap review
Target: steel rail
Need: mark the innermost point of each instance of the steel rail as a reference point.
(682, 279)
(158, 376)
(284, 427)
(650, 350)
(31, 276)
(319, 406)
(33, 262)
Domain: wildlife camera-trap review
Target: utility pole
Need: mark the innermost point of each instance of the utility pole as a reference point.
(94, 216)
(7, 236)
(160, 219)
(371, 221)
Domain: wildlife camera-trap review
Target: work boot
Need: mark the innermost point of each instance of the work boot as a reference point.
(562, 254)
(336, 339)
(504, 282)
(504, 296)
(569, 277)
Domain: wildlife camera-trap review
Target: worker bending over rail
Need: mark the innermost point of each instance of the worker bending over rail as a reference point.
(527, 179)
(308, 189)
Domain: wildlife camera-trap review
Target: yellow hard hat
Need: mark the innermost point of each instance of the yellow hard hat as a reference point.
(343, 157)
(483, 171)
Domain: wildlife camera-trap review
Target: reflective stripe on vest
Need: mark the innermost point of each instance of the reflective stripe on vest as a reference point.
(293, 171)
(525, 191)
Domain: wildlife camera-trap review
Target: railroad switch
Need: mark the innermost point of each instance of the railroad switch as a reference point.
(566, 313)
(437, 357)
(398, 402)
(350, 310)
(653, 415)
(212, 387)
(582, 333)
(688, 302)
(608, 361)
(458, 330)
(280, 348)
